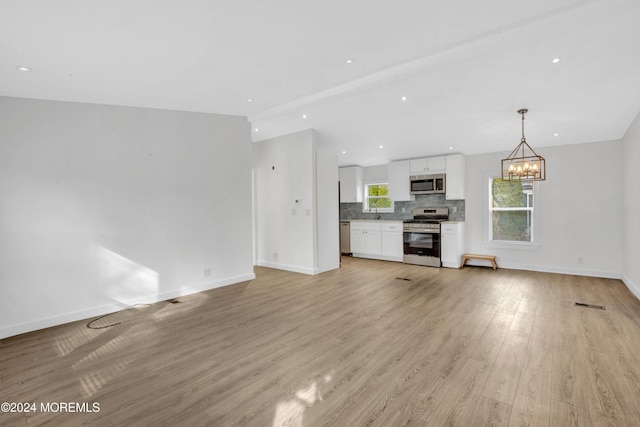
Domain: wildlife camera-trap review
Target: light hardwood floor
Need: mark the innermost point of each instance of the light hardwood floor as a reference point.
(357, 346)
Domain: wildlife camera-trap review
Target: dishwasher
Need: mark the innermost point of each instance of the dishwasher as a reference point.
(345, 238)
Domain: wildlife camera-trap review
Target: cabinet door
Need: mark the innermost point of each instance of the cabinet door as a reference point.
(417, 166)
(399, 186)
(358, 245)
(455, 169)
(436, 164)
(449, 249)
(350, 184)
(373, 243)
(392, 244)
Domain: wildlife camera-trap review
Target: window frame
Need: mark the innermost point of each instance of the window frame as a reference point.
(534, 244)
(365, 199)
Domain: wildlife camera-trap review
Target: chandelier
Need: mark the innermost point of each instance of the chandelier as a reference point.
(524, 164)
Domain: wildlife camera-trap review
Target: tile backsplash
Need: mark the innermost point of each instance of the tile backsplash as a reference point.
(354, 210)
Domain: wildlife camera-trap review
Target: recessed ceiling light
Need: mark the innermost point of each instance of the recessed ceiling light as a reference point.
(344, 152)
(450, 148)
(22, 68)
(304, 116)
(249, 100)
(349, 61)
(380, 146)
(555, 60)
(556, 134)
(256, 130)
(404, 98)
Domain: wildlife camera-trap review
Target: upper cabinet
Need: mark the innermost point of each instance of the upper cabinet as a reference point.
(455, 170)
(453, 165)
(350, 184)
(427, 166)
(399, 186)
(399, 176)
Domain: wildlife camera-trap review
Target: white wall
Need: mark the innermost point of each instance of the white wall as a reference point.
(631, 223)
(285, 230)
(579, 208)
(289, 235)
(327, 211)
(104, 207)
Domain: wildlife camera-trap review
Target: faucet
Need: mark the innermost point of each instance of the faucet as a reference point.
(376, 210)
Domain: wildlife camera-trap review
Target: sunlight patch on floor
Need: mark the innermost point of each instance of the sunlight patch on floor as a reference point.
(290, 413)
(99, 376)
(72, 340)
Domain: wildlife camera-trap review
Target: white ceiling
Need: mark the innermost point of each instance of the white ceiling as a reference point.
(465, 67)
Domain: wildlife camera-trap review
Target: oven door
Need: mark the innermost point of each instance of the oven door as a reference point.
(422, 248)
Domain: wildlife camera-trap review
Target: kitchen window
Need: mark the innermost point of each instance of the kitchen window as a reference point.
(376, 198)
(511, 214)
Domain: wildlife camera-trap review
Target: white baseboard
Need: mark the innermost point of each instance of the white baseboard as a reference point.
(454, 265)
(61, 319)
(633, 287)
(552, 269)
(287, 267)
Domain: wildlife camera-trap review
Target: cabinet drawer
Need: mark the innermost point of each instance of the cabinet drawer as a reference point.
(365, 225)
(392, 226)
(449, 228)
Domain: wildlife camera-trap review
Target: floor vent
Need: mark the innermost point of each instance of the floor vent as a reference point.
(403, 278)
(173, 301)
(599, 307)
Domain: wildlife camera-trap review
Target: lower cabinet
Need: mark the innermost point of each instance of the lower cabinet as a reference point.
(452, 246)
(392, 245)
(377, 239)
(365, 238)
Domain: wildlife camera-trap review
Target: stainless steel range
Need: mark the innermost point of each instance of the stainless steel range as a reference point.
(421, 236)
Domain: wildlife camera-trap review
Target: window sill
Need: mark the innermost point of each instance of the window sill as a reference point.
(503, 244)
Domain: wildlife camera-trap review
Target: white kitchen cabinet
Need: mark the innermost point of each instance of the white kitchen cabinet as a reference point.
(350, 184)
(455, 170)
(358, 245)
(392, 244)
(417, 166)
(427, 165)
(452, 243)
(373, 242)
(366, 238)
(377, 240)
(398, 177)
(357, 231)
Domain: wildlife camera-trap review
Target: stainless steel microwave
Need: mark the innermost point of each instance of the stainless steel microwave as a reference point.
(428, 184)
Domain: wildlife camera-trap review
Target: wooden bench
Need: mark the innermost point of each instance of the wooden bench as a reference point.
(490, 258)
